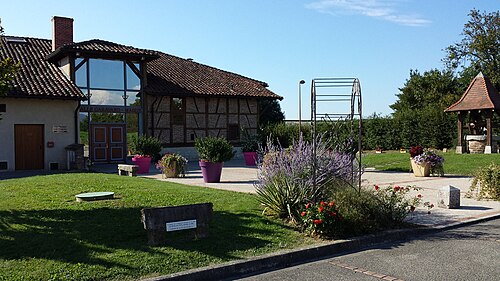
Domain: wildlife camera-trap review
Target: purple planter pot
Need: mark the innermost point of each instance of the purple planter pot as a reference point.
(143, 163)
(250, 158)
(211, 171)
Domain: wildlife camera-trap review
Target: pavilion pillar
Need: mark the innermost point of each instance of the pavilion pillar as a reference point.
(460, 147)
(489, 133)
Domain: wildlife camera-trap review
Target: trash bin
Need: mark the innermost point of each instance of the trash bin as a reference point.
(74, 157)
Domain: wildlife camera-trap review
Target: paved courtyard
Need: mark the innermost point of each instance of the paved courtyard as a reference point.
(240, 178)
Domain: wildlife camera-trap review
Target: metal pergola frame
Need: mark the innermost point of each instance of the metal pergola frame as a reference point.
(333, 92)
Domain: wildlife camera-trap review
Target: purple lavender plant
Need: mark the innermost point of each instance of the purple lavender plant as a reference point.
(286, 175)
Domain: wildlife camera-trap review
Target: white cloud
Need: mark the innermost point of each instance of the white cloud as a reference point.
(103, 97)
(381, 9)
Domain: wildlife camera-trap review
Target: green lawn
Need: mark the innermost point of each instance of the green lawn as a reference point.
(46, 235)
(458, 164)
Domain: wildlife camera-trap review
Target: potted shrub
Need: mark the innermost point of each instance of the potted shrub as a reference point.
(213, 152)
(172, 165)
(145, 148)
(425, 162)
(249, 146)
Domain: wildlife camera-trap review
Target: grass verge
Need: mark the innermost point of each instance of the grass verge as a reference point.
(46, 235)
(456, 164)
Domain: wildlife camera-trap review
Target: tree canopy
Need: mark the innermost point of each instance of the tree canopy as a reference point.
(8, 69)
(419, 111)
(479, 48)
(270, 112)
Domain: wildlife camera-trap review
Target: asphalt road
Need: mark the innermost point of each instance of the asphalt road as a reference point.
(465, 253)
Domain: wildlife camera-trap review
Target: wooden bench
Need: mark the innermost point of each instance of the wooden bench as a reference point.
(127, 170)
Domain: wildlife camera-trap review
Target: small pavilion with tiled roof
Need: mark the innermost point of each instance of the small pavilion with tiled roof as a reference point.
(479, 102)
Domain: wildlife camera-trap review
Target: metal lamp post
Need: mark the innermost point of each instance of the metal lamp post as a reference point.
(301, 82)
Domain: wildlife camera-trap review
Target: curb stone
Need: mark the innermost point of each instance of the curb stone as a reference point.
(283, 259)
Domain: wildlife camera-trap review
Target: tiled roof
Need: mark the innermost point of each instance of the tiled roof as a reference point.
(173, 75)
(36, 76)
(167, 74)
(480, 94)
(104, 49)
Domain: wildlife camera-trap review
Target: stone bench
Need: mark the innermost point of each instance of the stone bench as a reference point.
(127, 170)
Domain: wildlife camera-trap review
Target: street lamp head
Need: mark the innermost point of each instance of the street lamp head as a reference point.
(302, 82)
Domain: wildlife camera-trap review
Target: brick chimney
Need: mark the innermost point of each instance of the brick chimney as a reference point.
(62, 31)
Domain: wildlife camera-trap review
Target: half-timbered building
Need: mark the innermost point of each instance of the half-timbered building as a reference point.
(118, 90)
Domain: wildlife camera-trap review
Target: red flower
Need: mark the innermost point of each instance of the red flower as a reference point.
(322, 203)
(396, 188)
(317, 222)
(419, 196)
(303, 213)
(308, 205)
(331, 204)
(376, 187)
(333, 214)
(321, 209)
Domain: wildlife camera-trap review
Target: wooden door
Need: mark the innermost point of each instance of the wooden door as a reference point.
(107, 143)
(29, 148)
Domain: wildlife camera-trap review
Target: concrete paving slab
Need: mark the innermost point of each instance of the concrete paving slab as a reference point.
(240, 178)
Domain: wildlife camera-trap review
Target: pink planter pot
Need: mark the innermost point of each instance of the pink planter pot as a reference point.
(250, 158)
(143, 163)
(211, 171)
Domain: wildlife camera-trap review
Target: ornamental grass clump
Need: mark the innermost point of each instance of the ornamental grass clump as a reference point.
(286, 176)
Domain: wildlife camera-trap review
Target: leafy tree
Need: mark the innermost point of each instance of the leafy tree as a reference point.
(419, 111)
(479, 49)
(380, 131)
(8, 69)
(270, 112)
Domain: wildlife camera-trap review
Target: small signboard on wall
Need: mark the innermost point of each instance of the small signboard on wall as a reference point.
(181, 225)
(59, 129)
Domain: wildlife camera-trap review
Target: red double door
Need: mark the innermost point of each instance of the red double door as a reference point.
(107, 143)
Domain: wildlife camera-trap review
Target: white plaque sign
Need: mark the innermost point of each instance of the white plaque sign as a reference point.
(181, 225)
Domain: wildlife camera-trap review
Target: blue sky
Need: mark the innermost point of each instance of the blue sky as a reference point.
(276, 41)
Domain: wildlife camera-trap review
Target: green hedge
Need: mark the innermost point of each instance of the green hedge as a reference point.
(429, 128)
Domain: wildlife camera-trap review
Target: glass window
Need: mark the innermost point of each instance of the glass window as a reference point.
(133, 81)
(106, 97)
(177, 104)
(133, 98)
(106, 74)
(81, 74)
(177, 111)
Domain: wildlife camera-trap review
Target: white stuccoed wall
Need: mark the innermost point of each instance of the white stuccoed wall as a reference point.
(38, 111)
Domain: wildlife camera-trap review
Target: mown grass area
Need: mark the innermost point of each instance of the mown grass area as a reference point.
(457, 164)
(46, 235)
